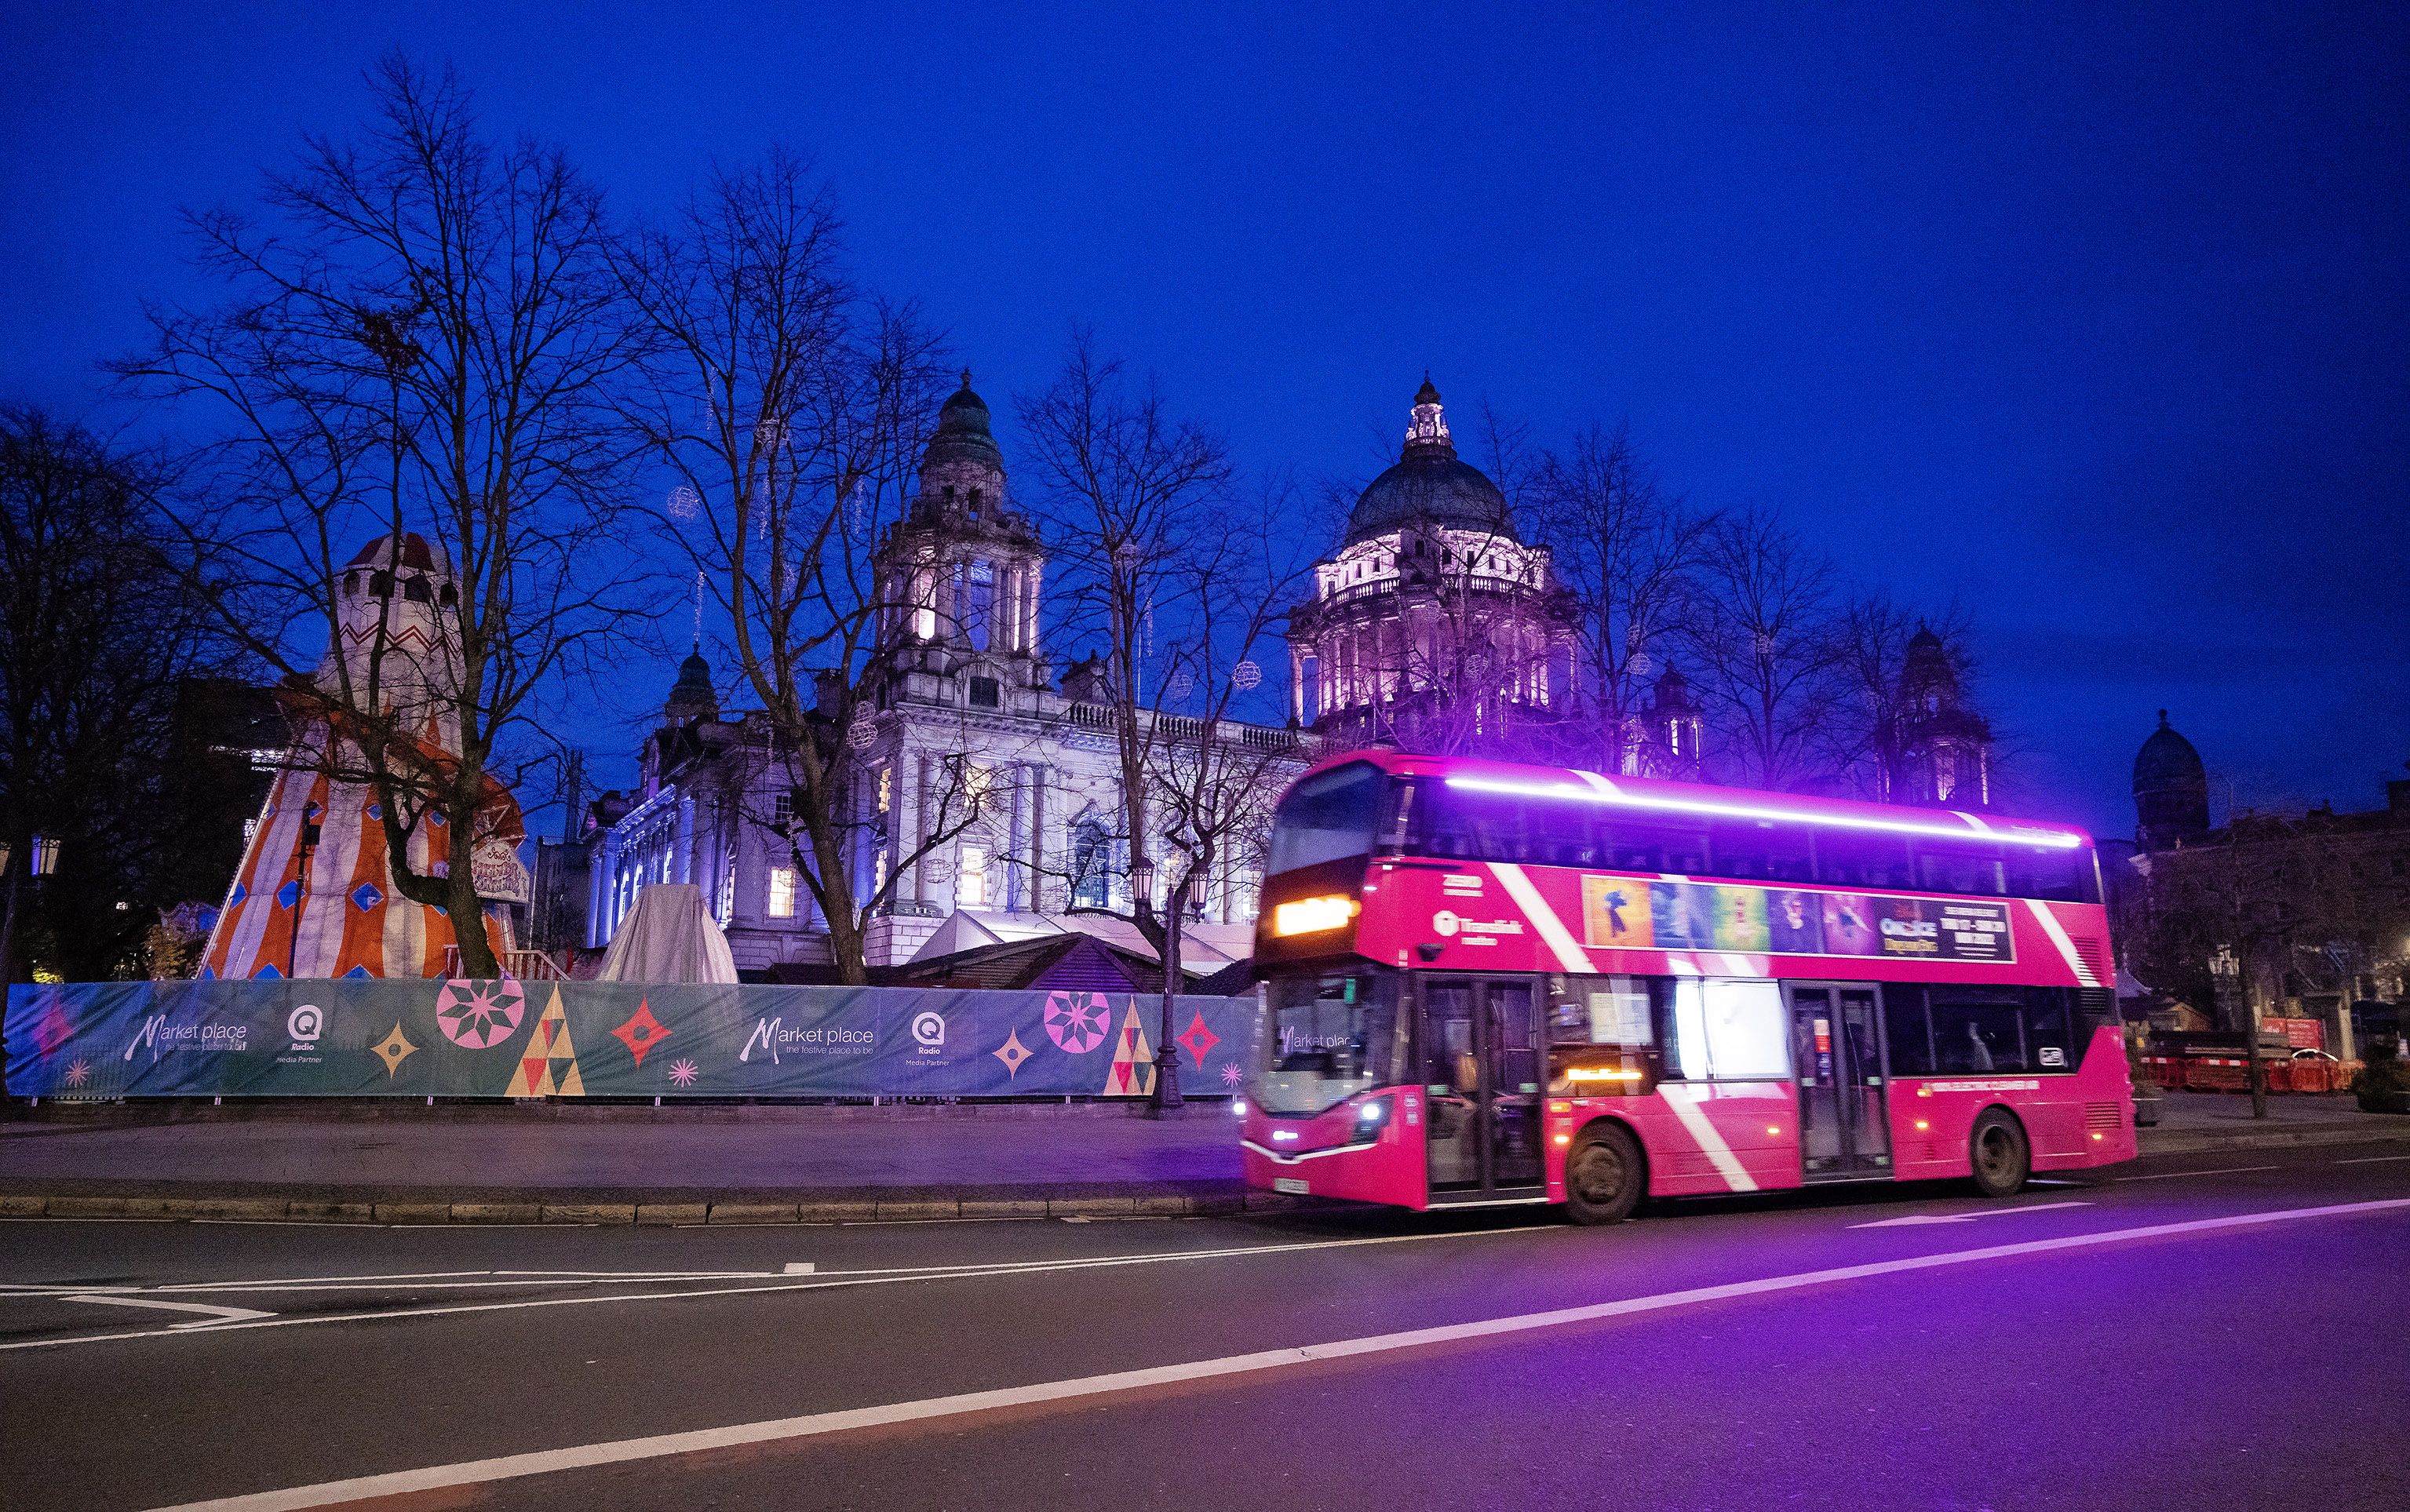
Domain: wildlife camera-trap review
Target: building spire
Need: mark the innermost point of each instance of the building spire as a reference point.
(1427, 430)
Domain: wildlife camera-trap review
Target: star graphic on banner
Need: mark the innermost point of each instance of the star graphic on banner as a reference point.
(1013, 1054)
(683, 1072)
(78, 1072)
(1199, 1039)
(642, 1031)
(1231, 1074)
(395, 1048)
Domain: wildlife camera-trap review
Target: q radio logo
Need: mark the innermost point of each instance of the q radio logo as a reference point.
(304, 1027)
(929, 1032)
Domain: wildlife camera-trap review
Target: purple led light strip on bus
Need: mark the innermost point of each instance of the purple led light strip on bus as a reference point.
(1603, 791)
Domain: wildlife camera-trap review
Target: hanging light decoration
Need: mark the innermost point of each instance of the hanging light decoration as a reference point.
(1246, 675)
(684, 502)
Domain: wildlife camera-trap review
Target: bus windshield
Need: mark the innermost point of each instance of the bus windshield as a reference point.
(1325, 1038)
(1327, 817)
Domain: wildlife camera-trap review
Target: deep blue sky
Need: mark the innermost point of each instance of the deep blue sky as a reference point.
(2096, 320)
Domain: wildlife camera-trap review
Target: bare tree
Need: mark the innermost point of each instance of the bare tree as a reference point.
(1126, 492)
(1763, 639)
(420, 339)
(1628, 554)
(101, 638)
(789, 408)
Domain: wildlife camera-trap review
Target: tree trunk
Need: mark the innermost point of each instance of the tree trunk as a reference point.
(467, 913)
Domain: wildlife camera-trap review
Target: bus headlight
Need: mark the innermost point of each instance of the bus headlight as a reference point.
(1311, 916)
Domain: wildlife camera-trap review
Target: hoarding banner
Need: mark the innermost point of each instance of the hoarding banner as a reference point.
(360, 1037)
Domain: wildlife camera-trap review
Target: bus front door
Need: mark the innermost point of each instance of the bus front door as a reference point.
(1481, 1080)
(1838, 1056)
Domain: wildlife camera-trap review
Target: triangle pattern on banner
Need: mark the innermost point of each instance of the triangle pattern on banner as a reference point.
(1132, 1073)
(549, 1069)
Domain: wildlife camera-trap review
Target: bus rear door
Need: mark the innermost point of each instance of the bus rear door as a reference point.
(1838, 1052)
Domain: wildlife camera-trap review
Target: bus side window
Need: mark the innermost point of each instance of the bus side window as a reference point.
(1774, 853)
(2049, 1040)
(1979, 1029)
(2053, 875)
(1909, 1031)
(1864, 861)
(1953, 867)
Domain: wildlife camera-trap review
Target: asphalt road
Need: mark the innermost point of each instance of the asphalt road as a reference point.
(2176, 1333)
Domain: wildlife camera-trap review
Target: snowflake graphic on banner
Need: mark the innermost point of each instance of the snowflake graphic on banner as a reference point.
(1076, 1022)
(642, 1031)
(1199, 1039)
(1232, 1074)
(78, 1072)
(479, 1015)
(683, 1072)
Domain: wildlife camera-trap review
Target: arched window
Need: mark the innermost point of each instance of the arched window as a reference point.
(1093, 864)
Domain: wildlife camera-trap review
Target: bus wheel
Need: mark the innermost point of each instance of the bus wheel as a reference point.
(2002, 1158)
(1604, 1176)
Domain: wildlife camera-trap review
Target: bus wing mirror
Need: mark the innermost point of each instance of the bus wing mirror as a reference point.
(1430, 952)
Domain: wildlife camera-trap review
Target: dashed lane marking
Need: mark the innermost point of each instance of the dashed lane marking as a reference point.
(2171, 1175)
(814, 1425)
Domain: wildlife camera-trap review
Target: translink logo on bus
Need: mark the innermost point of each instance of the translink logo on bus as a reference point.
(1448, 924)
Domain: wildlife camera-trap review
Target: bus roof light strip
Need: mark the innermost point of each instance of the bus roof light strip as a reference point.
(1603, 791)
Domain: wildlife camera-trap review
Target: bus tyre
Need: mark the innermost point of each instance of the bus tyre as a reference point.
(1604, 1175)
(2002, 1158)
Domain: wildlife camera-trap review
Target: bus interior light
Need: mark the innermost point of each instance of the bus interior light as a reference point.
(2058, 839)
(1311, 916)
(1564, 1139)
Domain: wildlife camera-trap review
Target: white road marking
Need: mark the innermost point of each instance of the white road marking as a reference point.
(800, 1268)
(216, 1315)
(2170, 1175)
(819, 1282)
(2363, 1160)
(1918, 1220)
(814, 1425)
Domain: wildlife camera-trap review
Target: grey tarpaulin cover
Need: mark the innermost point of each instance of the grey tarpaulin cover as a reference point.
(669, 938)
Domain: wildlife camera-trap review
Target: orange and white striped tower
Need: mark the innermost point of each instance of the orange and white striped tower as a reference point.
(313, 896)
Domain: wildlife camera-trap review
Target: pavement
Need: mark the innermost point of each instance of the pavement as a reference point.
(567, 1163)
(2184, 1332)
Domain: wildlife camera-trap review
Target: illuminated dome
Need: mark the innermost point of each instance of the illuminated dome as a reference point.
(1428, 485)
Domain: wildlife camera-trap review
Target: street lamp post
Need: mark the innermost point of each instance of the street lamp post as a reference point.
(1167, 1070)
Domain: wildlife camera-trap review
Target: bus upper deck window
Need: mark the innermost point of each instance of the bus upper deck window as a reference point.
(1864, 859)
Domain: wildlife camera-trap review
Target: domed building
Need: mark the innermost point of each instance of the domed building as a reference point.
(1433, 624)
(2171, 790)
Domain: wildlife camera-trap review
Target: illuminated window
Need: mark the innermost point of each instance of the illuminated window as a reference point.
(727, 898)
(970, 888)
(782, 892)
(978, 782)
(886, 787)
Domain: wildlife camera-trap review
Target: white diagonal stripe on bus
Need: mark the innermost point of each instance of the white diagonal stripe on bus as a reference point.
(1600, 784)
(2057, 933)
(1711, 1143)
(1568, 951)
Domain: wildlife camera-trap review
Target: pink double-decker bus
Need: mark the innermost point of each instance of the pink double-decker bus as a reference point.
(1486, 983)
